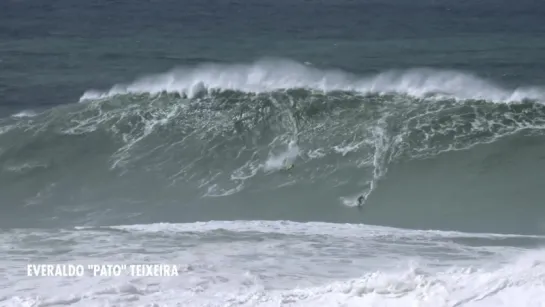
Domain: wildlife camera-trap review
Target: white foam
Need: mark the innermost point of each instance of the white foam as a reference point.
(334, 265)
(305, 228)
(282, 159)
(269, 75)
(517, 283)
(23, 114)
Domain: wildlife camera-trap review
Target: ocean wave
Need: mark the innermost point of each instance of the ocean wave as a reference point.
(272, 75)
(231, 146)
(306, 229)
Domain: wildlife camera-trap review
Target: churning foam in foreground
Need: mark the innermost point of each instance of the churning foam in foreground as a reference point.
(239, 263)
(271, 75)
(520, 283)
(517, 284)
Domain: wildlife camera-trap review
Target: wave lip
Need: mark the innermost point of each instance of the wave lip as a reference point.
(272, 75)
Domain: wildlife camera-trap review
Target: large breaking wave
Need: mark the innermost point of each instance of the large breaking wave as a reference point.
(272, 75)
(212, 142)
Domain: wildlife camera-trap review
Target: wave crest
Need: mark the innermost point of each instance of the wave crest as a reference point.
(271, 75)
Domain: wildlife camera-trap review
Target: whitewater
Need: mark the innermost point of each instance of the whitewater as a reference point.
(258, 263)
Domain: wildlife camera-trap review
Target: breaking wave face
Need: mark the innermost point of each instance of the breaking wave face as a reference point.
(426, 148)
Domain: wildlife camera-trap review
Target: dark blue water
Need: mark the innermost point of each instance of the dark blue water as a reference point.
(52, 51)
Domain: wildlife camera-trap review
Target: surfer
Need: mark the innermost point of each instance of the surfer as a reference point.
(289, 166)
(360, 201)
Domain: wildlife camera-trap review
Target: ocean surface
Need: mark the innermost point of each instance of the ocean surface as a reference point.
(162, 131)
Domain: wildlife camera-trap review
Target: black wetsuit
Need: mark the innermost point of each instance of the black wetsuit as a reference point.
(360, 201)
